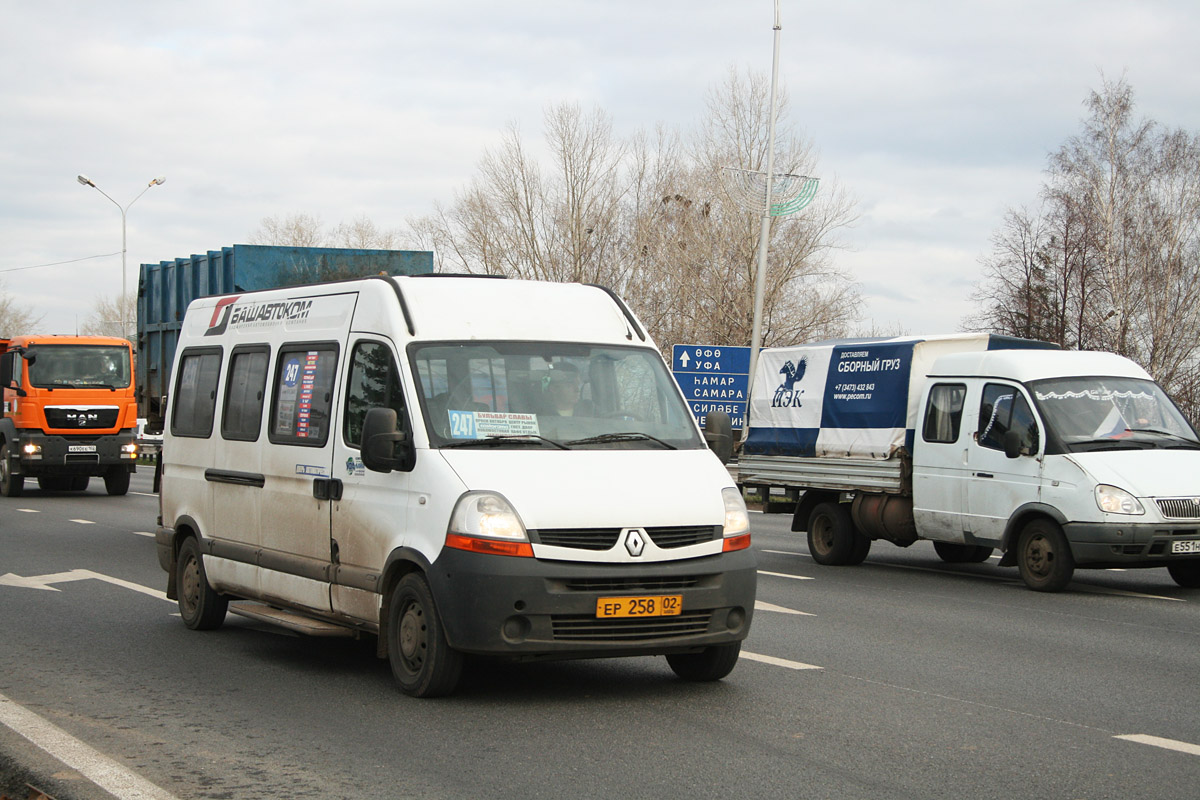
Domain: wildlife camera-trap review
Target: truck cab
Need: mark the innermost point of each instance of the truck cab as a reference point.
(69, 413)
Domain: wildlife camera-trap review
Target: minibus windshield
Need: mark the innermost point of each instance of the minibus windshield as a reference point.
(554, 395)
(1089, 413)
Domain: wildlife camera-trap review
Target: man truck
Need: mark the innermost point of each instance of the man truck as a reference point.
(69, 413)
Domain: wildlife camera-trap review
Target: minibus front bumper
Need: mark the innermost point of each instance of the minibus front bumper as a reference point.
(530, 609)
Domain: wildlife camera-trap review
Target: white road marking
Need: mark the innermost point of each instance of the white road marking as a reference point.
(91, 763)
(145, 494)
(83, 521)
(778, 662)
(785, 575)
(29, 510)
(1157, 741)
(786, 553)
(43, 582)
(142, 533)
(760, 605)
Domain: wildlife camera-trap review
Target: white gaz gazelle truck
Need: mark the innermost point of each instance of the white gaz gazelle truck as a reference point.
(1058, 459)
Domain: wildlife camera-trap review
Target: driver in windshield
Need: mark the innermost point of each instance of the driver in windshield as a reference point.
(562, 389)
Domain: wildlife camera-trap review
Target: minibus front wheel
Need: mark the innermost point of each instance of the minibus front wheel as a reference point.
(422, 661)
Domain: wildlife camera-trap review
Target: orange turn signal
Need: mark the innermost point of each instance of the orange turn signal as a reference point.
(492, 547)
(736, 543)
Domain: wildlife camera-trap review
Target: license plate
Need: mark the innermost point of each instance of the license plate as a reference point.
(658, 606)
(1192, 546)
(81, 448)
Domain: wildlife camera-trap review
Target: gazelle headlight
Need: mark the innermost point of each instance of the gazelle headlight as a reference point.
(1112, 500)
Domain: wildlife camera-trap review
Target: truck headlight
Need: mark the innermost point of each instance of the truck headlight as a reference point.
(1112, 500)
(32, 449)
(484, 522)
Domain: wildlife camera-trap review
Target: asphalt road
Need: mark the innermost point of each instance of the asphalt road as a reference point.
(900, 678)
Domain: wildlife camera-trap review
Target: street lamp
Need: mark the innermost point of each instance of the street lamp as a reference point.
(86, 181)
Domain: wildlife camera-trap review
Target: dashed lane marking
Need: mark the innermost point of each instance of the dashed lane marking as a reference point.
(785, 575)
(778, 662)
(1158, 741)
(29, 510)
(143, 533)
(83, 521)
(760, 605)
(91, 763)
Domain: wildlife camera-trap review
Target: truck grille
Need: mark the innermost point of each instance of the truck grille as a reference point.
(1180, 507)
(62, 417)
(606, 538)
(586, 628)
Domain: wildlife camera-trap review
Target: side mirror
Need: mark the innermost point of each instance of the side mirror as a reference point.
(384, 446)
(1012, 444)
(6, 375)
(718, 434)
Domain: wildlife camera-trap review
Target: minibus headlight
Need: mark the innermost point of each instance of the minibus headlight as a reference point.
(1112, 500)
(737, 519)
(484, 522)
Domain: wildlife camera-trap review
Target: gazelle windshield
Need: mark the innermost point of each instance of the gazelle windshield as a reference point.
(1092, 412)
(550, 394)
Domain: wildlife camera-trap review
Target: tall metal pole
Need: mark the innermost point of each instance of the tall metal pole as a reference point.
(764, 234)
(86, 181)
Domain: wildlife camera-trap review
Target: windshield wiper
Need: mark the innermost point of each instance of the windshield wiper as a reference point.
(1166, 433)
(509, 438)
(631, 436)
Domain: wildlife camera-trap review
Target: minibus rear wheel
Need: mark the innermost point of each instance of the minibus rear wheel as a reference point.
(422, 661)
(201, 607)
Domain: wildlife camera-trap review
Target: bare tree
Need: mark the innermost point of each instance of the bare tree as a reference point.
(1112, 260)
(295, 230)
(112, 316)
(14, 319)
(363, 234)
(651, 217)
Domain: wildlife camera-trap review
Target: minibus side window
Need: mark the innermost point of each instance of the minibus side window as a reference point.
(245, 388)
(374, 382)
(196, 393)
(303, 395)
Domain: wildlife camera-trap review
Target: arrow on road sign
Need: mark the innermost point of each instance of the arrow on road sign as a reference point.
(43, 582)
(683, 359)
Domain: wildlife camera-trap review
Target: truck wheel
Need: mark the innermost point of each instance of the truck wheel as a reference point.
(422, 661)
(200, 606)
(1044, 557)
(1186, 573)
(10, 485)
(831, 535)
(954, 553)
(78, 483)
(117, 481)
(862, 546)
(710, 664)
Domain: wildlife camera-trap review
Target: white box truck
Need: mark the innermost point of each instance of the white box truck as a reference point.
(456, 465)
(1058, 459)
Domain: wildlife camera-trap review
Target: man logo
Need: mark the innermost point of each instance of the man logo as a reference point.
(635, 542)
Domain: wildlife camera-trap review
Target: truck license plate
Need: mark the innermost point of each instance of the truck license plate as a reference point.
(658, 606)
(1192, 546)
(81, 448)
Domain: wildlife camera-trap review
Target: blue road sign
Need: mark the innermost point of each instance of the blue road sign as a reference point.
(713, 379)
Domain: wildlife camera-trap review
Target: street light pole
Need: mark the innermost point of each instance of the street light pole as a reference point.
(764, 235)
(86, 181)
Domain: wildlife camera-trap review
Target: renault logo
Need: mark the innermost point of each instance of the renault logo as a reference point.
(635, 541)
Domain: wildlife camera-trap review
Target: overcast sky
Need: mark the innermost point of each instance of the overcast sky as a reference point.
(935, 116)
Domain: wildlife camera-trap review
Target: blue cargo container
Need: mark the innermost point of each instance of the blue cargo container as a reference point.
(166, 288)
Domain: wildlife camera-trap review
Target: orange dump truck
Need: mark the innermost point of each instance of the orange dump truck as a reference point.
(70, 413)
